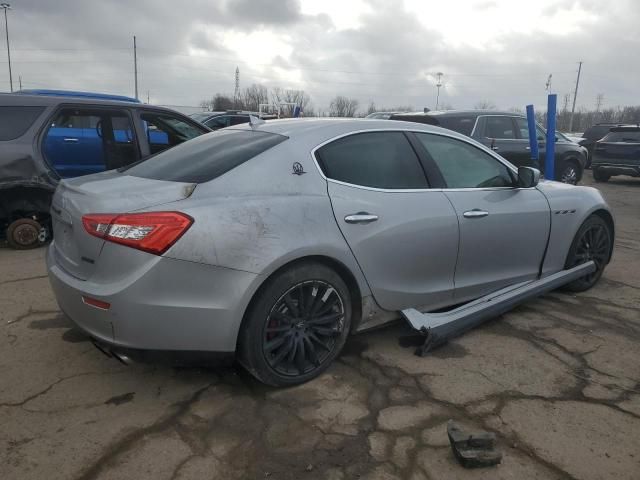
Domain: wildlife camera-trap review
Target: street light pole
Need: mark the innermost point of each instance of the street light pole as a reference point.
(438, 84)
(6, 7)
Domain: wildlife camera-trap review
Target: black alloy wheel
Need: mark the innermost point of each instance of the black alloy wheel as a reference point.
(592, 242)
(302, 328)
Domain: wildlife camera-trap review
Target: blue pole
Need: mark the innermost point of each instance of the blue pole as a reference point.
(533, 137)
(549, 161)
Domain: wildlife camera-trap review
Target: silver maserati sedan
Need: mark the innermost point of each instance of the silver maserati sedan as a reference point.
(275, 241)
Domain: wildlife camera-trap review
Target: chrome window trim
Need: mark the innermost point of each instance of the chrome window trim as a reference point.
(414, 190)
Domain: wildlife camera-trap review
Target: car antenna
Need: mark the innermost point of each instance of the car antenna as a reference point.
(255, 121)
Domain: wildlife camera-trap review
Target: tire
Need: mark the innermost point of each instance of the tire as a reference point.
(600, 176)
(278, 344)
(570, 172)
(592, 242)
(22, 234)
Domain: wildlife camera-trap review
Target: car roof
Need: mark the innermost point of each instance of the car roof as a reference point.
(76, 94)
(626, 128)
(317, 130)
(26, 100)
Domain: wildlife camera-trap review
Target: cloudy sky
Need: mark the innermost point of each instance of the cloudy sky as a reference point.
(386, 51)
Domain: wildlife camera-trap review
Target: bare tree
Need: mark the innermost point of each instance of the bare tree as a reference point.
(299, 97)
(342, 106)
(371, 108)
(485, 105)
(251, 97)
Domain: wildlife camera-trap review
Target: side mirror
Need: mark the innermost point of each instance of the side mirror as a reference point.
(528, 177)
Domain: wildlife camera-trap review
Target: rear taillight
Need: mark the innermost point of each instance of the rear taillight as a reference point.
(152, 232)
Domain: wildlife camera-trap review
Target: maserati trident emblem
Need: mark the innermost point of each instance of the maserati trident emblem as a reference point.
(297, 169)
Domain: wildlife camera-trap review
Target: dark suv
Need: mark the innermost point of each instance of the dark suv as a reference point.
(508, 134)
(217, 120)
(594, 133)
(52, 135)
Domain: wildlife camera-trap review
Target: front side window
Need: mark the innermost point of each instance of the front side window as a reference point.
(375, 159)
(165, 131)
(463, 165)
(623, 136)
(499, 127)
(218, 122)
(463, 125)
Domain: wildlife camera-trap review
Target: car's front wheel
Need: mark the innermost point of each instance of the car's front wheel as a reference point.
(570, 172)
(296, 326)
(592, 242)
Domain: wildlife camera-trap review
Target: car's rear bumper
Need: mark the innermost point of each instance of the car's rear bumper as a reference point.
(617, 169)
(174, 305)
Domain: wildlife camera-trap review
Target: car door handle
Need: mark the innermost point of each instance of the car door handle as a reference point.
(360, 217)
(475, 213)
(527, 147)
(495, 148)
(71, 140)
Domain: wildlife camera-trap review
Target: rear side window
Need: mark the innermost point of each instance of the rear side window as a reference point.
(206, 157)
(15, 121)
(376, 159)
(626, 136)
(463, 125)
(597, 132)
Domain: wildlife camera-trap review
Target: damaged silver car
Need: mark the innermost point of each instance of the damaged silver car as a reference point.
(276, 241)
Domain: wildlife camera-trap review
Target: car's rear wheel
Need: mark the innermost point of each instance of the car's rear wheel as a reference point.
(600, 176)
(296, 326)
(592, 242)
(23, 234)
(570, 172)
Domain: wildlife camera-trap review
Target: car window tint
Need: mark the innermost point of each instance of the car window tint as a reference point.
(239, 119)
(499, 127)
(625, 136)
(463, 165)
(218, 122)
(376, 159)
(206, 157)
(15, 121)
(164, 131)
(463, 125)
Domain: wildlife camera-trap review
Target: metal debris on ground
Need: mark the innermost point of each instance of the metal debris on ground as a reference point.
(473, 450)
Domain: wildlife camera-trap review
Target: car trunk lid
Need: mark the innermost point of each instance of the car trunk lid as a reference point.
(76, 250)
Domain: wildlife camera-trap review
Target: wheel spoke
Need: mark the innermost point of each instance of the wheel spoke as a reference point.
(278, 329)
(317, 300)
(300, 356)
(329, 304)
(325, 332)
(275, 343)
(320, 343)
(290, 305)
(292, 352)
(283, 317)
(325, 319)
(313, 356)
(282, 353)
(301, 305)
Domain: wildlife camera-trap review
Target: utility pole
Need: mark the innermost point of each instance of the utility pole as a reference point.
(599, 100)
(438, 84)
(575, 95)
(135, 65)
(236, 92)
(6, 7)
(548, 84)
(20, 81)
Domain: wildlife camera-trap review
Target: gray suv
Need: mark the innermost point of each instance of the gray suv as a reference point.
(507, 133)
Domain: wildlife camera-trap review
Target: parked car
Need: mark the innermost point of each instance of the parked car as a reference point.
(49, 135)
(217, 120)
(618, 153)
(594, 133)
(507, 133)
(276, 241)
(381, 115)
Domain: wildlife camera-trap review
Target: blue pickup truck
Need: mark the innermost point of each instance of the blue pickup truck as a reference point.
(46, 135)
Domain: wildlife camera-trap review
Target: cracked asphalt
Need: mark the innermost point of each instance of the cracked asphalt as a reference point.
(557, 380)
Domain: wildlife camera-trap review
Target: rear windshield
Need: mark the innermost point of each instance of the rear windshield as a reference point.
(463, 125)
(15, 121)
(205, 157)
(630, 136)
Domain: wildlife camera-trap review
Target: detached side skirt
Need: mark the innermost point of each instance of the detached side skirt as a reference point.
(440, 327)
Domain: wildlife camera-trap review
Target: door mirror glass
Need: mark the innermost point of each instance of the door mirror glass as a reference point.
(528, 177)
